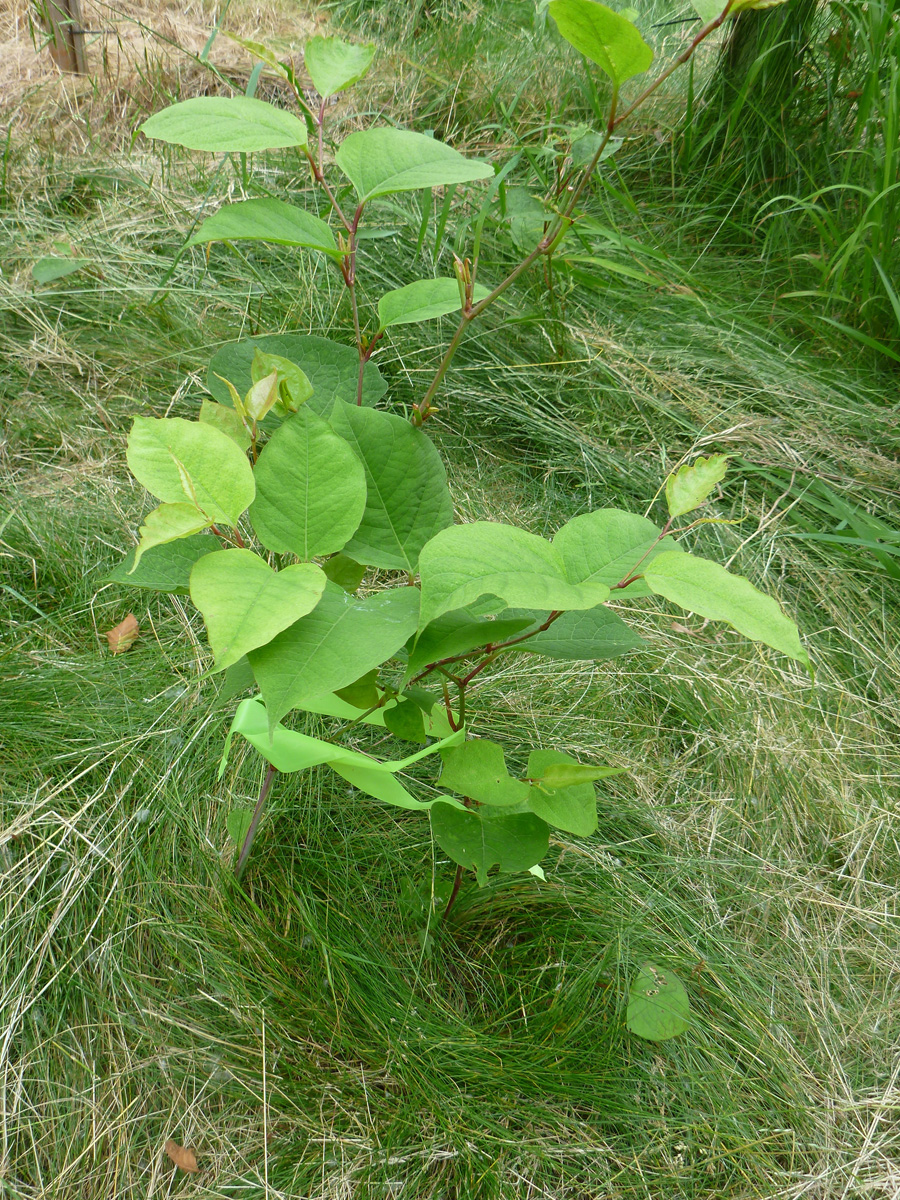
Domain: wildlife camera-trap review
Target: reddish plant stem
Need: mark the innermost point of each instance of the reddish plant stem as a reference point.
(453, 894)
(257, 814)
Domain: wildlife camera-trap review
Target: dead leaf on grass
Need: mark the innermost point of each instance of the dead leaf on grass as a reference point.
(124, 635)
(182, 1157)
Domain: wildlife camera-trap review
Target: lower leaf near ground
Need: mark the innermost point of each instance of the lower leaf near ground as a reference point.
(572, 808)
(480, 840)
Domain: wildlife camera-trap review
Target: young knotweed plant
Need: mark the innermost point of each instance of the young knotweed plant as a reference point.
(315, 531)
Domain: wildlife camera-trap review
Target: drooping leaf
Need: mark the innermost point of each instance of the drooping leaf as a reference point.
(166, 568)
(223, 124)
(245, 603)
(48, 270)
(658, 1005)
(182, 1156)
(407, 498)
(607, 545)
(481, 840)
(603, 36)
(584, 149)
(166, 524)
(422, 300)
(381, 161)
(294, 387)
(345, 572)
(705, 588)
(527, 217)
(334, 645)
(458, 633)
(464, 562)
(477, 769)
(363, 693)
(178, 460)
(565, 774)
(310, 489)
(226, 420)
(406, 720)
(332, 369)
(123, 636)
(289, 751)
(707, 10)
(236, 679)
(238, 824)
(689, 486)
(267, 220)
(572, 807)
(598, 634)
(334, 64)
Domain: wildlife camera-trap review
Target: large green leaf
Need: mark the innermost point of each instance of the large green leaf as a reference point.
(458, 633)
(267, 220)
(464, 562)
(658, 1005)
(481, 840)
(334, 64)
(333, 646)
(310, 489)
(332, 369)
(597, 634)
(422, 300)
(408, 500)
(573, 808)
(382, 161)
(289, 751)
(226, 124)
(166, 568)
(178, 460)
(606, 545)
(245, 603)
(477, 769)
(705, 588)
(603, 36)
(168, 523)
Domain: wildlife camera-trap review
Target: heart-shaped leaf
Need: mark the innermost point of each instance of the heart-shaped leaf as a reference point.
(477, 769)
(245, 604)
(658, 1005)
(334, 64)
(603, 36)
(226, 124)
(572, 806)
(608, 545)
(383, 160)
(481, 840)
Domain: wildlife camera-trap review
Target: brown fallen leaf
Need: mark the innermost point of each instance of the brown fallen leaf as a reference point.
(124, 635)
(182, 1157)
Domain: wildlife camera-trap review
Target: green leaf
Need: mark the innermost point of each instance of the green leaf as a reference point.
(406, 720)
(707, 10)
(602, 36)
(477, 769)
(740, 6)
(382, 161)
(658, 1005)
(597, 634)
(226, 124)
(293, 384)
(705, 588)
(527, 217)
(344, 571)
(363, 693)
(332, 369)
(567, 773)
(178, 460)
(245, 603)
(310, 489)
(458, 633)
(267, 220)
(262, 398)
(688, 487)
(465, 562)
(236, 679)
(166, 568)
(238, 824)
(481, 840)
(422, 300)
(288, 751)
(166, 524)
(48, 270)
(607, 545)
(226, 420)
(334, 64)
(334, 645)
(407, 499)
(572, 807)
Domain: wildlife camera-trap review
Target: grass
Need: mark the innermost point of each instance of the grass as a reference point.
(294, 1033)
